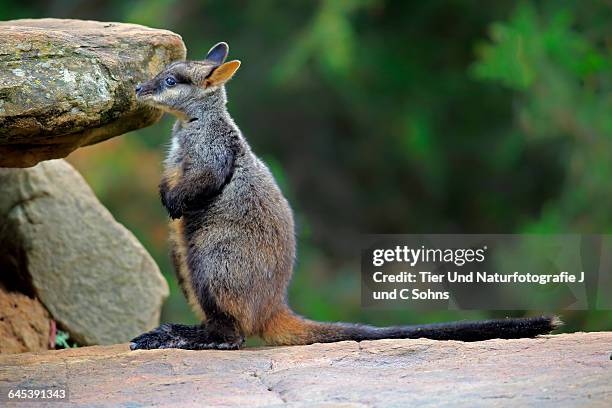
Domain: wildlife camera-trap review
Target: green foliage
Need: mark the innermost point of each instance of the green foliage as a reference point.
(563, 79)
(329, 40)
(513, 58)
(528, 46)
(61, 340)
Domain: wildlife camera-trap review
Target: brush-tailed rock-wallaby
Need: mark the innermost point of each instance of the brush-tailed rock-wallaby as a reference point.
(232, 233)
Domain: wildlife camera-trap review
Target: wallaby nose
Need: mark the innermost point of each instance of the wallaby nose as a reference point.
(138, 89)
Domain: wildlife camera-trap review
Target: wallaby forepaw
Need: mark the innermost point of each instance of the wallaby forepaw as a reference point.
(175, 211)
(172, 204)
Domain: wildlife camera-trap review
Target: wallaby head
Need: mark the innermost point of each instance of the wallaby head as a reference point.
(181, 84)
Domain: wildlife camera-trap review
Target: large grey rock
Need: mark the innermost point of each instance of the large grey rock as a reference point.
(69, 83)
(90, 272)
(568, 370)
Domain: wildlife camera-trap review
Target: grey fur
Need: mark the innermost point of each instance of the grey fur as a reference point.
(241, 243)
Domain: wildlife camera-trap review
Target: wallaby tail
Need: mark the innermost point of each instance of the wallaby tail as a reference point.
(287, 328)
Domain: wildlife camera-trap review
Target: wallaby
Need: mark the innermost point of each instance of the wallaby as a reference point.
(232, 232)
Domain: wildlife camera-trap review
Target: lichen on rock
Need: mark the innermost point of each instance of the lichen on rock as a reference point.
(69, 83)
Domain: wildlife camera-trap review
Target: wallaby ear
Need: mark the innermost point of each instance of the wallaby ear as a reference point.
(222, 73)
(218, 53)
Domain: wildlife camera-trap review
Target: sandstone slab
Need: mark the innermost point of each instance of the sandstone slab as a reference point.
(568, 370)
(24, 324)
(59, 243)
(69, 83)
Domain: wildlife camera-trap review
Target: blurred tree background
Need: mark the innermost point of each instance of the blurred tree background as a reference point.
(381, 116)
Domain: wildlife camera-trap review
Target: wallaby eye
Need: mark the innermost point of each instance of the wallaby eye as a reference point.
(170, 81)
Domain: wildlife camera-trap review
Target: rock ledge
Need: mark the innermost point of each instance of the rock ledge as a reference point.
(561, 370)
(69, 83)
